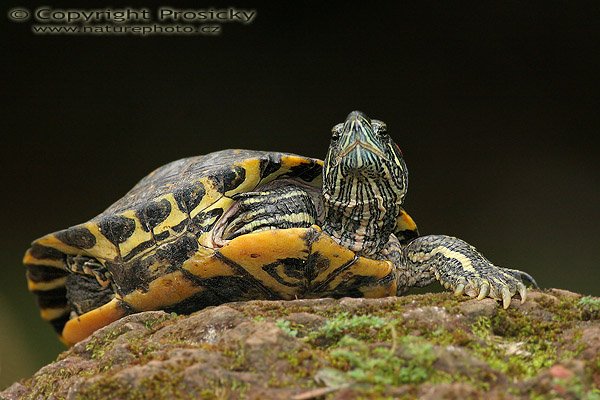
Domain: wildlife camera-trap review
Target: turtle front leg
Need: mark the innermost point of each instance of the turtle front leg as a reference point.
(459, 266)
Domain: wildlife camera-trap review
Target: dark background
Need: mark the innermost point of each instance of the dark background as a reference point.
(494, 105)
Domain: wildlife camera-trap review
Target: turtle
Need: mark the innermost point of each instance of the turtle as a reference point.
(237, 225)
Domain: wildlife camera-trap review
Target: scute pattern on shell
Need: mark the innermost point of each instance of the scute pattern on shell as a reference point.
(144, 238)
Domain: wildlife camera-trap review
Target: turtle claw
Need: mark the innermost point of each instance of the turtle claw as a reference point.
(506, 297)
(460, 289)
(484, 291)
(522, 292)
(490, 286)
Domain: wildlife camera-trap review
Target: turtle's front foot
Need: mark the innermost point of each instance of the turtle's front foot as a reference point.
(460, 267)
(494, 284)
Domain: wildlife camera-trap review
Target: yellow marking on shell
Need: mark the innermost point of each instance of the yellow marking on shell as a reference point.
(83, 326)
(211, 220)
(273, 175)
(176, 216)
(204, 264)
(252, 177)
(164, 291)
(280, 271)
(255, 250)
(338, 257)
(335, 255)
(366, 267)
(287, 163)
(103, 249)
(405, 222)
(377, 269)
(211, 195)
(291, 160)
(46, 262)
(138, 237)
(46, 285)
(158, 267)
(52, 241)
(48, 314)
(205, 239)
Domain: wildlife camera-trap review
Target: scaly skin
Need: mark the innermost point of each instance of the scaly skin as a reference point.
(365, 181)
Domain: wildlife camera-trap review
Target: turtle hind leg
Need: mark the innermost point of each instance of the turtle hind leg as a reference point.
(84, 293)
(88, 266)
(92, 297)
(460, 267)
(89, 285)
(93, 301)
(69, 287)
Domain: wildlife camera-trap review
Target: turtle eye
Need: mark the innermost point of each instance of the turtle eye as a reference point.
(336, 131)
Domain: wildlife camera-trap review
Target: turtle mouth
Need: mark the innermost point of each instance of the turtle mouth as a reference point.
(359, 146)
(359, 157)
(359, 141)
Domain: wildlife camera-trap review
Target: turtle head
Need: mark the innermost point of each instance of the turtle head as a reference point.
(364, 183)
(362, 153)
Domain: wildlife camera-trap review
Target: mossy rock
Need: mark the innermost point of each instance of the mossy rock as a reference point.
(420, 346)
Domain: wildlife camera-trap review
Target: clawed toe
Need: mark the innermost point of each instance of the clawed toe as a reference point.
(506, 297)
(459, 289)
(484, 291)
(522, 292)
(483, 288)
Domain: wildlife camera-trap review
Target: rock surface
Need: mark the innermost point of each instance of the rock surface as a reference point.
(433, 346)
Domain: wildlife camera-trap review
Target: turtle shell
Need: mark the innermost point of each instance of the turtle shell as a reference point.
(156, 248)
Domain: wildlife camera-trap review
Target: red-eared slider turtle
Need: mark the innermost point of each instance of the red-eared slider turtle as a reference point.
(240, 224)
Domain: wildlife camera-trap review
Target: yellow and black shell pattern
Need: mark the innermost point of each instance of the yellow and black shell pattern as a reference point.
(154, 249)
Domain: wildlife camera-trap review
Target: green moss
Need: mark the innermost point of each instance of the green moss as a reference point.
(303, 364)
(164, 385)
(237, 355)
(482, 327)
(523, 357)
(363, 326)
(285, 326)
(360, 363)
(516, 344)
(97, 346)
(153, 324)
(46, 384)
(590, 302)
(219, 390)
(590, 307)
